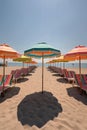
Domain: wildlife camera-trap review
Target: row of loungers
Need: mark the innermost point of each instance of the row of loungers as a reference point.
(20, 73)
(71, 76)
(7, 80)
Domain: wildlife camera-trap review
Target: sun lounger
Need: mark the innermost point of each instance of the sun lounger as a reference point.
(24, 71)
(17, 75)
(81, 82)
(1, 79)
(69, 75)
(84, 76)
(6, 83)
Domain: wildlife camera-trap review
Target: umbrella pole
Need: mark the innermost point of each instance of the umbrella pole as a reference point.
(42, 71)
(2, 94)
(23, 64)
(80, 66)
(27, 65)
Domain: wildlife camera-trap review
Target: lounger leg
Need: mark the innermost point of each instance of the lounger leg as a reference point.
(73, 83)
(81, 92)
(3, 94)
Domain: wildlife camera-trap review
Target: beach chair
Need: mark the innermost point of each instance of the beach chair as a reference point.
(17, 75)
(61, 72)
(13, 72)
(81, 82)
(24, 72)
(71, 77)
(66, 74)
(1, 79)
(6, 83)
(71, 73)
(84, 77)
(8, 80)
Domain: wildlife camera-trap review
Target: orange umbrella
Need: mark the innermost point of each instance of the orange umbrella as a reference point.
(31, 62)
(78, 53)
(7, 52)
(63, 59)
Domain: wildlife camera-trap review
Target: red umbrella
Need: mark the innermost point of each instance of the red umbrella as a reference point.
(78, 53)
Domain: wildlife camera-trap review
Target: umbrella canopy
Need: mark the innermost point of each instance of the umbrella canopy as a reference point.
(43, 50)
(23, 59)
(31, 62)
(61, 59)
(78, 53)
(7, 52)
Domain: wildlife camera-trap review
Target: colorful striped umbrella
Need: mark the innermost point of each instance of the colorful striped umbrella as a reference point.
(42, 50)
(7, 52)
(78, 53)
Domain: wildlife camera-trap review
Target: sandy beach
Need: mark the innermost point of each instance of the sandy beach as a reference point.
(60, 107)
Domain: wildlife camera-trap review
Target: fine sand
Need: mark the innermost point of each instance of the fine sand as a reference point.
(60, 107)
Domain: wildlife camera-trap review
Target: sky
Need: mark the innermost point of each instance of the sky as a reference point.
(60, 23)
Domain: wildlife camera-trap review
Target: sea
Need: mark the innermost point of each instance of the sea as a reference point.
(67, 64)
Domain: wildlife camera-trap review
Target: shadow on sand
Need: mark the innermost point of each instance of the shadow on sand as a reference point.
(75, 93)
(33, 71)
(9, 93)
(62, 80)
(50, 70)
(37, 109)
(56, 75)
(22, 80)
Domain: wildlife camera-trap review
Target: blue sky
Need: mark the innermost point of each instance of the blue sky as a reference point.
(60, 23)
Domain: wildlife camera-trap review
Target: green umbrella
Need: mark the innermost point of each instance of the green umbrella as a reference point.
(42, 50)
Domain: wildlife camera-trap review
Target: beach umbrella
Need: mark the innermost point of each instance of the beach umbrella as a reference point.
(23, 59)
(42, 50)
(78, 53)
(63, 59)
(30, 62)
(7, 52)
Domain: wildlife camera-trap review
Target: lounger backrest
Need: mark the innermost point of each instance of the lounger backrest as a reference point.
(72, 73)
(13, 72)
(17, 74)
(1, 79)
(84, 78)
(8, 80)
(77, 79)
(65, 73)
